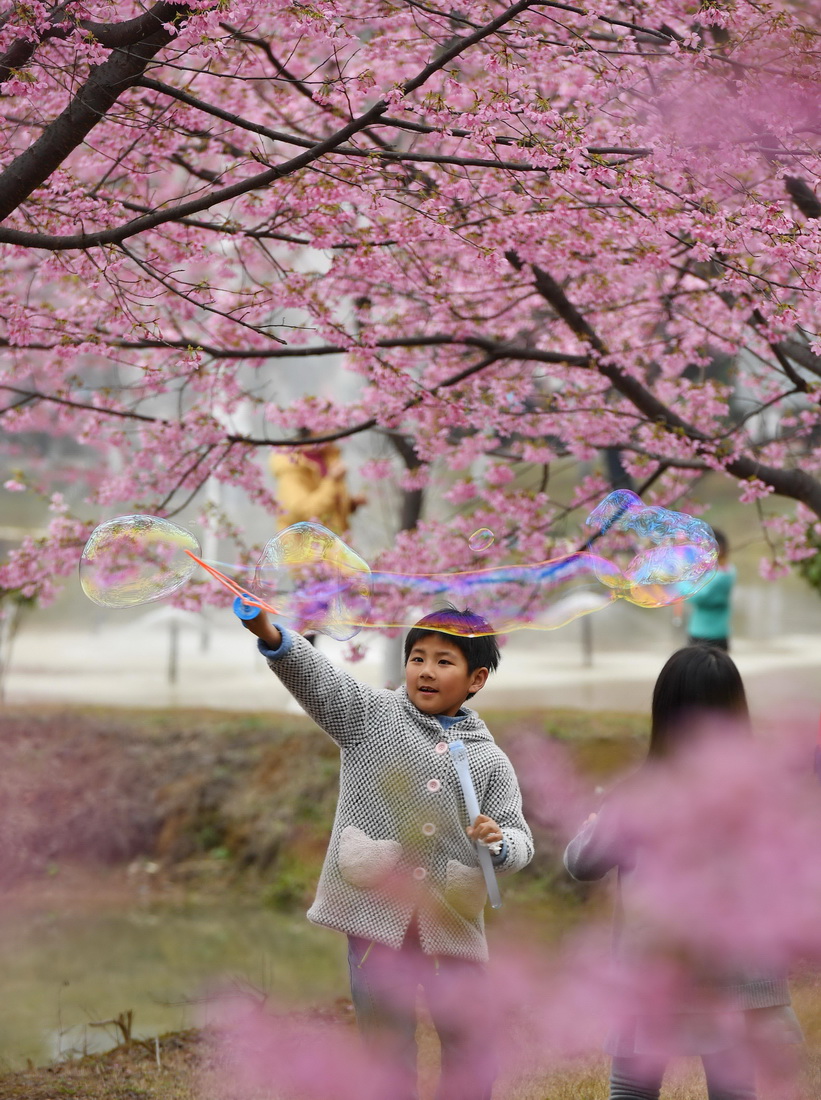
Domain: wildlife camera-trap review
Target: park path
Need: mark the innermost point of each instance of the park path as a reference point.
(165, 658)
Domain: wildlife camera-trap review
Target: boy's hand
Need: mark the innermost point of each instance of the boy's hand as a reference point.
(484, 830)
(264, 629)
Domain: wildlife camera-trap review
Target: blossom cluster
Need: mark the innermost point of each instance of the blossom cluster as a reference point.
(525, 234)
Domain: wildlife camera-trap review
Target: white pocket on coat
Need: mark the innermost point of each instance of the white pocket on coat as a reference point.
(465, 889)
(363, 861)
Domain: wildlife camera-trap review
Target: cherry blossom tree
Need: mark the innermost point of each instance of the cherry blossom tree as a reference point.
(526, 231)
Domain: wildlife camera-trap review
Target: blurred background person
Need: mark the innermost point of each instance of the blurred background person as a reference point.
(710, 608)
(737, 1017)
(312, 485)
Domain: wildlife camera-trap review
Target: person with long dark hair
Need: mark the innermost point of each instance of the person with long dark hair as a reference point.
(699, 694)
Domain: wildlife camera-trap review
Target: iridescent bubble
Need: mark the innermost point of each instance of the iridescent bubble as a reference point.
(321, 584)
(133, 560)
(509, 597)
(681, 559)
(315, 580)
(481, 539)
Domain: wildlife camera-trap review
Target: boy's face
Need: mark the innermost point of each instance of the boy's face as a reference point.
(437, 676)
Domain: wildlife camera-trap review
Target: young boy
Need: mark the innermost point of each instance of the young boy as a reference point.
(401, 877)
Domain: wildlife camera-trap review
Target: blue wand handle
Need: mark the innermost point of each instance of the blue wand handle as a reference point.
(459, 755)
(245, 611)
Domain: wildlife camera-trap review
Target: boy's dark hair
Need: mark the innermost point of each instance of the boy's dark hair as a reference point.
(696, 679)
(468, 631)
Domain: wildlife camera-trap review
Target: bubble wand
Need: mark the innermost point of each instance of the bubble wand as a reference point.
(459, 755)
(246, 605)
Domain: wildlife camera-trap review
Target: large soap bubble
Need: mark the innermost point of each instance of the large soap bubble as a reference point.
(680, 558)
(315, 580)
(133, 560)
(509, 598)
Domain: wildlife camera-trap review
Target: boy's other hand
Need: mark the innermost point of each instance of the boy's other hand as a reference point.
(484, 830)
(264, 630)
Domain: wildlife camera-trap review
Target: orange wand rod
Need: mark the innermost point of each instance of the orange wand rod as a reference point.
(245, 601)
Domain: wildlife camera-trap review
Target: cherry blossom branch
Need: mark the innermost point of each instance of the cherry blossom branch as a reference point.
(665, 36)
(111, 35)
(505, 139)
(250, 441)
(125, 414)
(204, 452)
(386, 154)
(108, 81)
(793, 483)
(105, 84)
(497, 349)
(802, 354)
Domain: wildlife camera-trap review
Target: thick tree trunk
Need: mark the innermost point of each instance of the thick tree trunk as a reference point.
(410, 511)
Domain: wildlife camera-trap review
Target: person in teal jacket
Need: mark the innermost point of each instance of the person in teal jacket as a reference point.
(710, 607)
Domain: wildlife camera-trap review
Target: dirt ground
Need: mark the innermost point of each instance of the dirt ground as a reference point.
(182, 1065)
(170, 1068)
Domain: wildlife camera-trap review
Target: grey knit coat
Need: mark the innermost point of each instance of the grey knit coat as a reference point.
(398, 844)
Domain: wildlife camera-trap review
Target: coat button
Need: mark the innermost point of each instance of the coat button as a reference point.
(419, 873)
(433, 785)
(442, 746)
(428, 828)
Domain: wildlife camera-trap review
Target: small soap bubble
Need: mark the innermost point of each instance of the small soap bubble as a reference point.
(481, 539)
(136, 559)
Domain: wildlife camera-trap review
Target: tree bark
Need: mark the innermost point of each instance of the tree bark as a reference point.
(105, 84)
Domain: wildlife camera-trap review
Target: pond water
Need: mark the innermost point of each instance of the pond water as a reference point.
(68, 965)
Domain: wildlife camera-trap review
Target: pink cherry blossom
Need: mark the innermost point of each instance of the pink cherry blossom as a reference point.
(511, 236)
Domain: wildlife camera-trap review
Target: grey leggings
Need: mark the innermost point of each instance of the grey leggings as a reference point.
(729, 1073)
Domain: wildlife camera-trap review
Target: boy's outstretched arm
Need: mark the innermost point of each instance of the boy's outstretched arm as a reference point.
(264, 629)
(339, 704)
